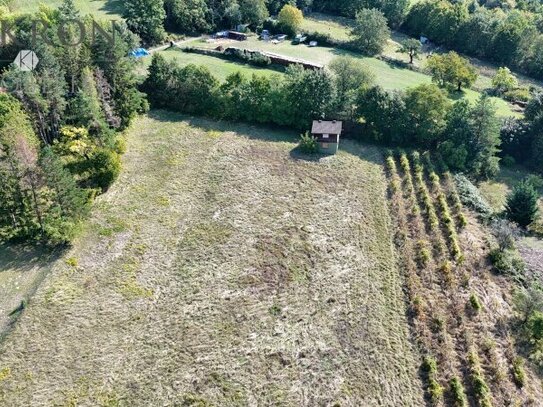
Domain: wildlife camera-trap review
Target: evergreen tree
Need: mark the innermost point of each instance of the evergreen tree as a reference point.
(69, 204)
(68, 11)
(522, 204)
(118, 70)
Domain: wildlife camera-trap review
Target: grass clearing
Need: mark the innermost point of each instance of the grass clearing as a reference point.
(99, 9)
(243, 275)
(21, 271)
(220, 68)
(337, 28)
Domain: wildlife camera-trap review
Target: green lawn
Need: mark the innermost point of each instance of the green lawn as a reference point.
(220, 68)
(337, 27)
(387, 75)
(100, 9)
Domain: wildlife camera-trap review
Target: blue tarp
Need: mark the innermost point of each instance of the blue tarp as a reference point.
(140, 53)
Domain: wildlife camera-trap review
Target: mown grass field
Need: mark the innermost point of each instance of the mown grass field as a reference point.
(222, 269)
(100, 9)
(218, 67)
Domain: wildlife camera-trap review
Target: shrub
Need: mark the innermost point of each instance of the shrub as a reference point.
(106, 166)
(470, 195)
(423, 253)
(480, 388)
(429, 365)
(519, 375)
(308, 144)
(462, 221)
(435, 390)
(535, 325)
(518, 95)
(507, 262)
(508, 161)
(504, 233)
(324, 39)
(252, 57)
(458, 393)
(475, 302)
(446, 270)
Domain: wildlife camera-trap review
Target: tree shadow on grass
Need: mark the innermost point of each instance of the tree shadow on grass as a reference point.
(113, 7)
(25, 257)
(365, 151)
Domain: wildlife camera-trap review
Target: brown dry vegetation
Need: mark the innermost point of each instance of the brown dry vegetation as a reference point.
(459, 311)
(223, 270)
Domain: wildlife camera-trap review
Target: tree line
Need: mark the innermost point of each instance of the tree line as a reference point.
(60, 125)
(508, 37)
(152, 18)
(468, 136)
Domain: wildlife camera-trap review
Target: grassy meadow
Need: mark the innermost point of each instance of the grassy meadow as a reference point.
(387, 75)
(100, 9)
(222, 268)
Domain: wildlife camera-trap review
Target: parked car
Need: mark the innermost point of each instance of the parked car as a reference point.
(313, 43)
(299, 39)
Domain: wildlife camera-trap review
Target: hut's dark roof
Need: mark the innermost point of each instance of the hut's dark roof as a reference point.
(327, 127)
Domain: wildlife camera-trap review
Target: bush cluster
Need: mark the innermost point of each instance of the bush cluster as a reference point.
(435, 390)
(308, 144)
(293, 100)
(480, 387)
(507, 262)
(458, 393)
(471, 196)
(510, 37)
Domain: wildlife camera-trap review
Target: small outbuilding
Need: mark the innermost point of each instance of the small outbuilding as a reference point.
(327, 133)
(235, 35)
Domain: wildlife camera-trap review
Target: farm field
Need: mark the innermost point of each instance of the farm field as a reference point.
(456, 303)
(100, 9)
(222, 269)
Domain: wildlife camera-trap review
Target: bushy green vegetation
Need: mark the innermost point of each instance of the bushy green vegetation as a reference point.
(508, 37)
(435, 390)
(146, 18)
(294, 100)
(370, 31)
(308, 144)
(522, 139)
(458, 393)
(77, 100)
(480, 387)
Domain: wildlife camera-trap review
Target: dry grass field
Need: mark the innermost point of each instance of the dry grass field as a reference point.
(223, 269)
